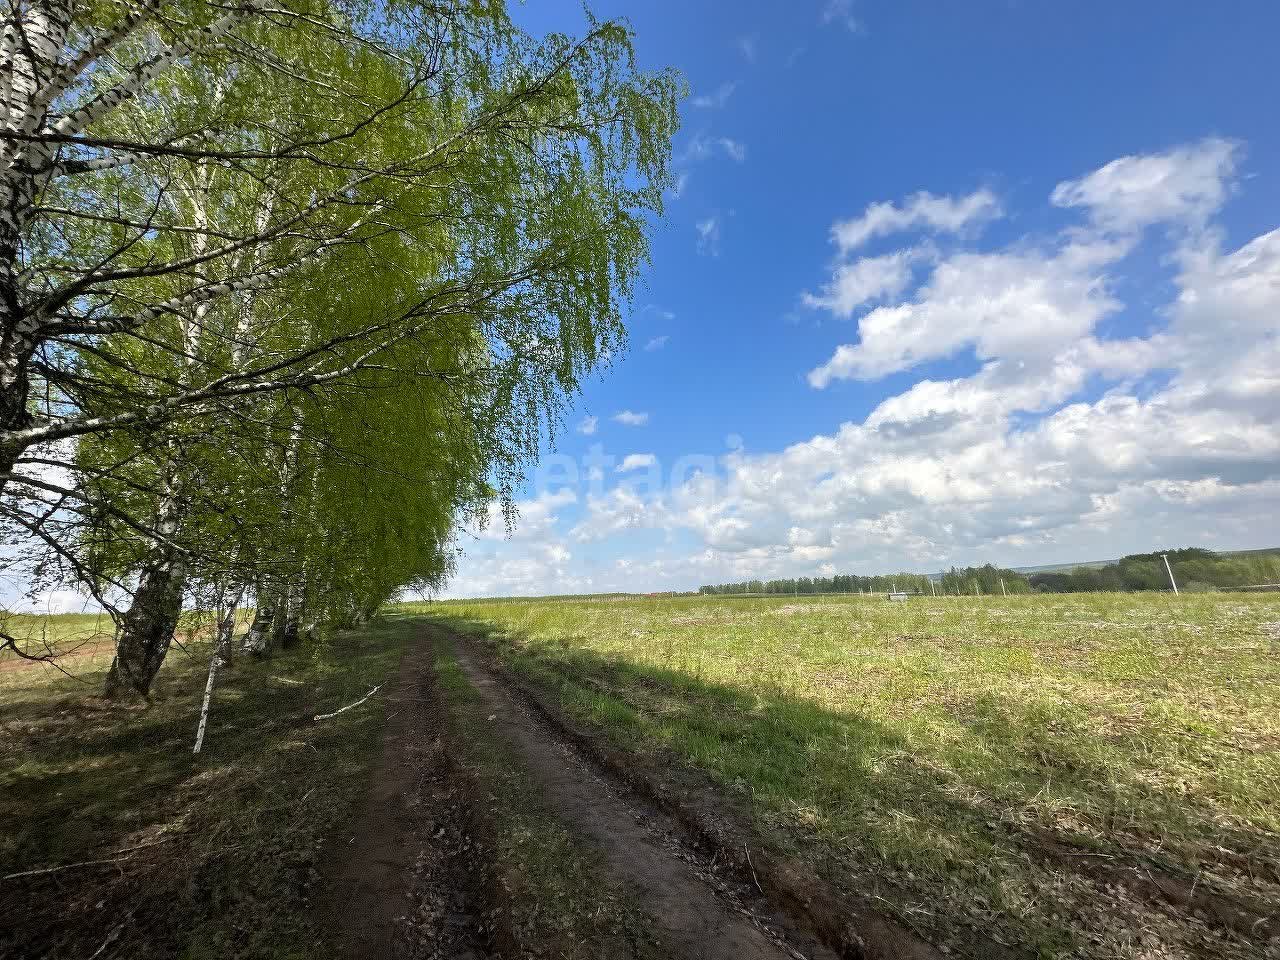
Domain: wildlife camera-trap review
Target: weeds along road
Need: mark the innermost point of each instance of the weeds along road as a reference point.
(485, 832)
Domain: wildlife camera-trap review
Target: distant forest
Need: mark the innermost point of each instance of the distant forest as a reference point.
(1195, 569)
(969, 580)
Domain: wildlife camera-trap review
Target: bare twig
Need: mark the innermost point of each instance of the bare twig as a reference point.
(83, 863)
(350, 706)
(753, 868)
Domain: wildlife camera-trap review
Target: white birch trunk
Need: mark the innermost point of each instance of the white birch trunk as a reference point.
(32, 43)
(221, 651)
(214, 663)
(258, 640)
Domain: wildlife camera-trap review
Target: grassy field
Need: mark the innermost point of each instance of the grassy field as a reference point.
(128, 845)
(81, 641)
(82, 644)
(982, 766)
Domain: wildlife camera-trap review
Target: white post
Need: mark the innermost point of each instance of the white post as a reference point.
(1172, 582)
(932, 591)
(1002, 589)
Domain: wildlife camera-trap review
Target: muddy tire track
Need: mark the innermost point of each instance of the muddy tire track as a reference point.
(401, 884)
(807, 907)
(695, 913)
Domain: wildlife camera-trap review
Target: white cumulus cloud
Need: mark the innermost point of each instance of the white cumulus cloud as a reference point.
(1066, 440)
(1187, 184)
(864, 280)
(921, 211)
(631, 418)
(637, 461)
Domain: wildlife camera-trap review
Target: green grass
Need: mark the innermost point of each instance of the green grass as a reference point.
(924, 750)
(82, 640)
(227, 843)
(81, 644)
(553, 901)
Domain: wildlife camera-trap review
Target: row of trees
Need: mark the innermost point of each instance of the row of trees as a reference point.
(289, 290)
(841, 583)
(985, 579)
(1195, 569)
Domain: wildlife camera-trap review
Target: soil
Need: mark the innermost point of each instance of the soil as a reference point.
(409, 879)
(415, 875)
(398, 882)
(641, 847)
(832, 907)
(832, 910)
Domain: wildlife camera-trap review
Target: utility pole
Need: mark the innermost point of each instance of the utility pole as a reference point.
(1172, 582)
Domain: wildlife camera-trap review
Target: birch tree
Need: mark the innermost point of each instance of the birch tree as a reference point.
(176, 178)
(363, 119)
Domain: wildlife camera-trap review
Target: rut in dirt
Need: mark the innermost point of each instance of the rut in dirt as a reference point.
(399, 885)
(406, 881)
(640, 847)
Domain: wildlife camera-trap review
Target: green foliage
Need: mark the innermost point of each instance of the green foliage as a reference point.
(1195, 569)
(476, 203)
(969, 579)
(986, 579)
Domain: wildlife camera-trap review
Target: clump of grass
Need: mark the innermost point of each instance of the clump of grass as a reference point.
(212, 856)
(552, 897)
(938, 750)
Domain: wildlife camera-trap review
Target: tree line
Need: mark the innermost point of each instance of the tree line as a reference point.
(985, 579)
(290, 290)
(1194, 568)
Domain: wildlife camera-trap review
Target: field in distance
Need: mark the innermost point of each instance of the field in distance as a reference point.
(1089, 774)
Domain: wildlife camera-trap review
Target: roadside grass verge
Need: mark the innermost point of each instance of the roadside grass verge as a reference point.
(545, 888)
(203, 857)
(977, 764)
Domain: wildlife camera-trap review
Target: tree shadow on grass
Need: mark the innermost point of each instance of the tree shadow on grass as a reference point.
(1020, 816)
(218, 849)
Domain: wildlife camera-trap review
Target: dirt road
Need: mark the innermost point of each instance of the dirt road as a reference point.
(421, 872)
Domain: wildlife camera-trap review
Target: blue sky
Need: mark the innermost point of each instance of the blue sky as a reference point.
(942, 283)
